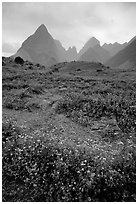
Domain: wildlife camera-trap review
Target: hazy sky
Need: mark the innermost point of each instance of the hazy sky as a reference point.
(71, 23)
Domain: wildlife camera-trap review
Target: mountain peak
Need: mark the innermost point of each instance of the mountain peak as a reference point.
(41, 29)
(116, 43)
(105, 44)
(90, 43)
(94, 40)
(72, 48)
(133, 39)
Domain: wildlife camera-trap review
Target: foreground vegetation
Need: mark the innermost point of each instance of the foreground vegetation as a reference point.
(75, 139)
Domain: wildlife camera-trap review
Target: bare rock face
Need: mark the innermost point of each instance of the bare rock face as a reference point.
(39, 48)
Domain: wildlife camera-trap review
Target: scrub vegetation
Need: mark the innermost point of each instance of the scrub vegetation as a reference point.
(68, 135)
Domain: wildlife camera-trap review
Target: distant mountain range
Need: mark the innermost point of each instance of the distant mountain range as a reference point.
(92, 42)
(42, 48)
(126, 56)
(114, 48)
(96, 53)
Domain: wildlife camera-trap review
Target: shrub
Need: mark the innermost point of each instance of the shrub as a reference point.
(9, 132)
(126, 118)
(35, 89)
(99, 70)
(19, 60)
(8, 86)
(38, 65)
(81, 109)
(84, 109)
(16, 102)
(30, 67)
(56, 69)
(32, 106)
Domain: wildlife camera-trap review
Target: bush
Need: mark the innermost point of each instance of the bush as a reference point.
(9, 132)
(84, 109)
(19, 60)
(32, 106)
(16, 102)
(99, 70)
(126, 118)
(38, 65)
(81, 109)
(36, 89)
(8, 86)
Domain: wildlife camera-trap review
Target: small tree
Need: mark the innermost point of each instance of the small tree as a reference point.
(19, 60)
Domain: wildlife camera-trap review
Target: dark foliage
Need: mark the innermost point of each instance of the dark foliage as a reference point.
(84, 109)
(126, 118)
(19, 60)
(21, 102)
(35, 89)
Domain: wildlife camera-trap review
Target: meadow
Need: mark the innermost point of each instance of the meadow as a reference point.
(68, 133)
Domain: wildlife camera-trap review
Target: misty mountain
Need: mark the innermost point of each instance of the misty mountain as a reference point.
(125, 56)
(71, 54)
(39, 47)
(114, 48)
(89, 56)
(95, 54)
(92, 42)
(61, 51)
(42, 48)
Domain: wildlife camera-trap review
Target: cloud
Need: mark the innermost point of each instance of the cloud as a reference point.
(10, 48)
(71, 23)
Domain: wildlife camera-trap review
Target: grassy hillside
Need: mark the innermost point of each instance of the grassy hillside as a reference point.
(68, 133)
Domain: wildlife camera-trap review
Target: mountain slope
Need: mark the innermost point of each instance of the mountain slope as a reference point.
(96, 54)
(42, 48)
(92, 42)
(133, 39)
(61, 51)
(71, 54)
(89, 56)
(39, 48)
(114, 48)
(128, 54)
